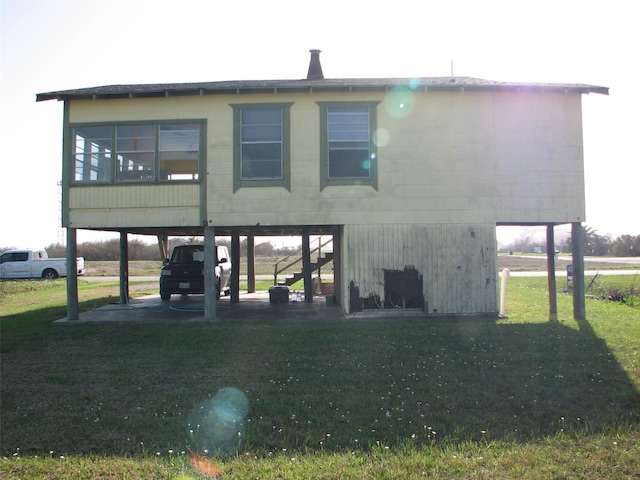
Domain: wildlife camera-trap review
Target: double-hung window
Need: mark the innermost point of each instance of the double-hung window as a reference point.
(261, 145)
(136, 152)
(347, 153)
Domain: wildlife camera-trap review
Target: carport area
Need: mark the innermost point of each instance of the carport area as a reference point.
(253, 307)
(209, 308)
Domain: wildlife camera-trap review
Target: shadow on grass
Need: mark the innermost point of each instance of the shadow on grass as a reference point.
(128, 389)
(450, 381)
(35, 324)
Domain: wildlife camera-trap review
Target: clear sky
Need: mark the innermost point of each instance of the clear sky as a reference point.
(65, 44)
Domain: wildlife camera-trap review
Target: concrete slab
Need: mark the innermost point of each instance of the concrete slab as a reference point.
(183, 309)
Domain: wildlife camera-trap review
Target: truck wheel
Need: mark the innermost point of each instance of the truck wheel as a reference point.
(165, 296)
(50, 274)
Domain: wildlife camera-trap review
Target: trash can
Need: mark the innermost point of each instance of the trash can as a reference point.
(279, 294)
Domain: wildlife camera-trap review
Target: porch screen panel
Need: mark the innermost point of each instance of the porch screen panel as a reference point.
(92, 154)
(179, 151)
(136, 145)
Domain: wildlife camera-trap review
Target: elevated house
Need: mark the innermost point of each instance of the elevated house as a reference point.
(410, 177)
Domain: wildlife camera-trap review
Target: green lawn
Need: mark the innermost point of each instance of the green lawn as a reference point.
(465, 398)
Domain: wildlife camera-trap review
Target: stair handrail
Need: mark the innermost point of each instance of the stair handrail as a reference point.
(277, 270)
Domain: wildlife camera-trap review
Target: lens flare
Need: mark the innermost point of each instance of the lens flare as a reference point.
(381, 137)
(399, 102)
(414, 83)
(216, 427)
(205, 466)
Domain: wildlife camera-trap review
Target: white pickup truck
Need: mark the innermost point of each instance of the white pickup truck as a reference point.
(34, 264)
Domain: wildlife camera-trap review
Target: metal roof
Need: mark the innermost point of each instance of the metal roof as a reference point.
(323, 85)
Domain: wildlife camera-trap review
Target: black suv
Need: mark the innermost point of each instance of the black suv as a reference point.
(183, 273)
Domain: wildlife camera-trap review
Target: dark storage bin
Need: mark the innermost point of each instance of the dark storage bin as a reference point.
(279, 294)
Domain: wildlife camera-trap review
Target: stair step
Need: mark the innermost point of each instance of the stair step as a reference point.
(314, 266)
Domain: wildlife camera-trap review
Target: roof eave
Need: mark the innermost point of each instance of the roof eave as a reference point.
(140, 91)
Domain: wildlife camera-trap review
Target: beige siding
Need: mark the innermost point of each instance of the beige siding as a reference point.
(458, 157)
(539, 158)
(124, 206)
(458, 263)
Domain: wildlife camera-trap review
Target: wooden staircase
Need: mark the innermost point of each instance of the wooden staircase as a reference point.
(294, 258)
(322, 261)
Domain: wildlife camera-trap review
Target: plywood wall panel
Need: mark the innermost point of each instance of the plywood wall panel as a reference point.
(458, 262)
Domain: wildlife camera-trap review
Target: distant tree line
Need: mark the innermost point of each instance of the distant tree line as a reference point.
(594, 244)
(138, 250)
(600, 245)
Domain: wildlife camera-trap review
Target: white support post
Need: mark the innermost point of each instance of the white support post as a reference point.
(503, 291)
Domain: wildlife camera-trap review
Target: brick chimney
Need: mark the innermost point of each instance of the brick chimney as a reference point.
(315, 69)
